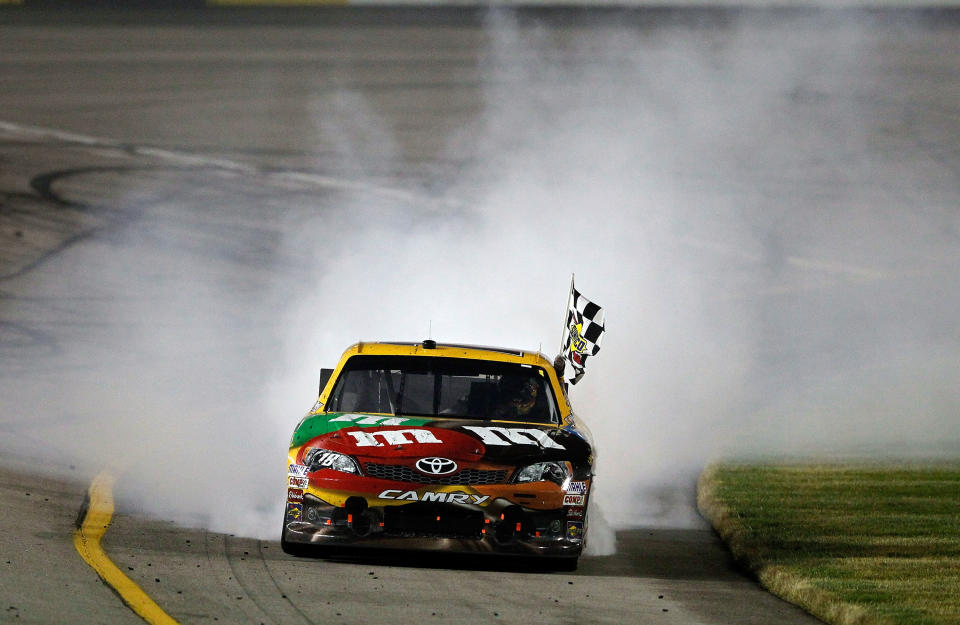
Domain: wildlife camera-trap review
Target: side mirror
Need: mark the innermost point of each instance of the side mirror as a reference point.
(324, 378)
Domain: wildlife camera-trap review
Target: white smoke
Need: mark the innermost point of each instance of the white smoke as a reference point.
(663, 168)
(715, 191)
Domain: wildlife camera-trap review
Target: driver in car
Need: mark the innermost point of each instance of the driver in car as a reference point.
(518, 396)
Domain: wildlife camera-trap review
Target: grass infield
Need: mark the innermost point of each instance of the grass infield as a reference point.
(851, 544)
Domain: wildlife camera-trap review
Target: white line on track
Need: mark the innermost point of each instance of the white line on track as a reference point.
(810, 264)
(180, 158)
(302, 178)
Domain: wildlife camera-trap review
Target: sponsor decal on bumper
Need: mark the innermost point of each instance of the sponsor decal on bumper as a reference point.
(294, 511)
(573, 500)
(575, 512)
(297, 470)
(454, 497)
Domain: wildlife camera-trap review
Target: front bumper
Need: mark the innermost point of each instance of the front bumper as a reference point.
(501, 527)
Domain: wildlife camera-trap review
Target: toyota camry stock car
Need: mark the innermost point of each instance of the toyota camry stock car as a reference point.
(433, 446)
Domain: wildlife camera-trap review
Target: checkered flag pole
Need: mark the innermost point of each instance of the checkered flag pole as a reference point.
(582, 332)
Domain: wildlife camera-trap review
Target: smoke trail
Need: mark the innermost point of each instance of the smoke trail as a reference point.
(774, 282)
(750, 312)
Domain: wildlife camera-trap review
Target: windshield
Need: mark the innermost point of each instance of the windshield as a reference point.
(444, 387)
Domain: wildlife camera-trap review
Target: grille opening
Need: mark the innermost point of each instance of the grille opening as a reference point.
(466, 477)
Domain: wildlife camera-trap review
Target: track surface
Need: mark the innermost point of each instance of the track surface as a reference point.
(146, 125)
(659, 576)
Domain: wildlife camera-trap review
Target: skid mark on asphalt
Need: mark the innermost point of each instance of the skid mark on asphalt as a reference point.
(248, 571)
(262, 561)
(223, 571)
(16, 337)
(249, 589)
(186, 159)
(102, 217)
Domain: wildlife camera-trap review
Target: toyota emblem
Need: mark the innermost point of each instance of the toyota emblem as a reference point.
(436, 466)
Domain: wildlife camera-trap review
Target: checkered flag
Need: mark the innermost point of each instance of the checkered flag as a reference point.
(582, 332)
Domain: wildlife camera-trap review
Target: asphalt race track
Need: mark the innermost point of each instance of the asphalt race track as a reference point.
(658, 576)
(119, 131)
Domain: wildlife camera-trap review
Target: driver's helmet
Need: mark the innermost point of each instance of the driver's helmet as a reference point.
(518, 394)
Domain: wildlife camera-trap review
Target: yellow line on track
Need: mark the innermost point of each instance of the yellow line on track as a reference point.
(87, 541)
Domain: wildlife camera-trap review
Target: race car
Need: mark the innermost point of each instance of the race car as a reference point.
(440, 447)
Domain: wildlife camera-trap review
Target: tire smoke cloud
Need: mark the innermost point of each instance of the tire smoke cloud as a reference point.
(764, 221)
(727, 196)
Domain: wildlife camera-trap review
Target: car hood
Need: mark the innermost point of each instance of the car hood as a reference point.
(379, 437)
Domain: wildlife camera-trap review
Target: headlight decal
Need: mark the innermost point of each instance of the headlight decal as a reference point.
(317, 459)
(556, 472)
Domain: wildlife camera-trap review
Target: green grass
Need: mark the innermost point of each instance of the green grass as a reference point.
(851, 544)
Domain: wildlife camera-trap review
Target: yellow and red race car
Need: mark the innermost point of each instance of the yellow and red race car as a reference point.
(434, 446)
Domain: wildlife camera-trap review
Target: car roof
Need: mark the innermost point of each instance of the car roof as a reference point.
(448, 350)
